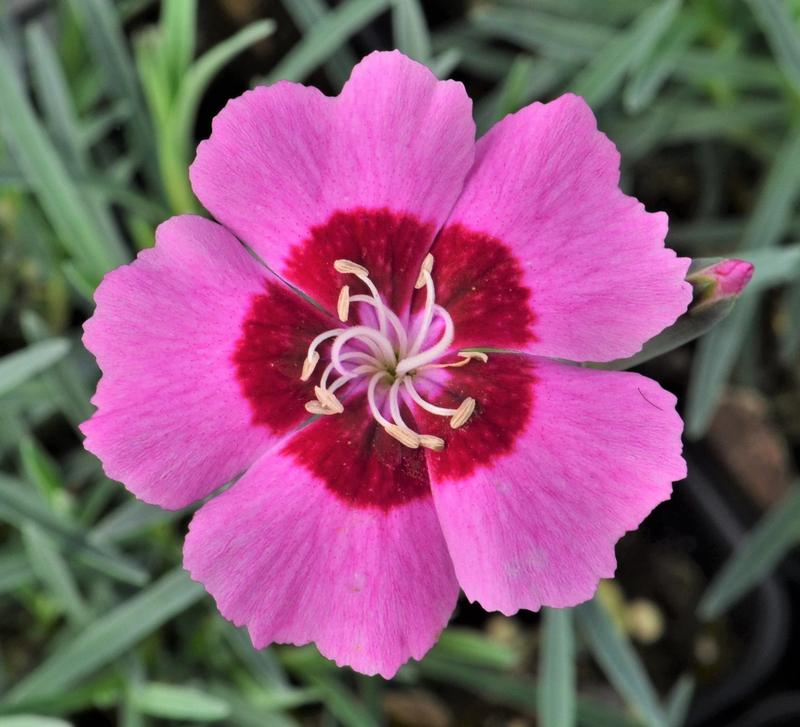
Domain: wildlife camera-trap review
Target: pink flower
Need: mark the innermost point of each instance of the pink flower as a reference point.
(430, 467)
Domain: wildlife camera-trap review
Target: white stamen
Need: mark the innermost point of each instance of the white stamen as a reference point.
(328, 400)
(402, 435)
(463, 413)
(383, 354)
(349, 267)
(466, 357)
(314, 407)
(309, 365)
(433, 353)
(343, 304)
(431, 442)
(427, 267)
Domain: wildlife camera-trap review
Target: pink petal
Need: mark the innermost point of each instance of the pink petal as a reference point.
(284, 159)
(537, 525)
(172, 421)
(285, 555)
(545, 182)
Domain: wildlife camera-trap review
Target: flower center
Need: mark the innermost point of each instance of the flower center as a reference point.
(387, 354)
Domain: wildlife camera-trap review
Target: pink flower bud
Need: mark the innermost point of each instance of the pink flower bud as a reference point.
(732, 275)
(725, 279)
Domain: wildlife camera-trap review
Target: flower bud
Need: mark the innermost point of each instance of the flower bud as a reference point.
(723, 279)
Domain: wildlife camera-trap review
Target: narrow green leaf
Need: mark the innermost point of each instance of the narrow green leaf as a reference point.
(131, 519)
(176, 130)
(209, 65)
(15, 571)
(102, 30)
(39, 468)
(306, 14)
(680, 700)
(445, 63)
(468, 646)
(169, 701)
(606, 70)
(773, 266)
(53, 571)
(18, 505)
(770, 540)
(556, 703)
(108, 637)
(570, 40)
(179, 23)
(790, 344)
(648, 77)
(781, 30)
(262, 664)
(327, 35)
(619, 662)
(341, 702)
(65, 207)
(52, 94)
(20, 366)
(411, 35)
(717, 353)
(32, 720)
(516, 692)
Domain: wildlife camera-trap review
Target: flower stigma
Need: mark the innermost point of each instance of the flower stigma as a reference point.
(387, 354)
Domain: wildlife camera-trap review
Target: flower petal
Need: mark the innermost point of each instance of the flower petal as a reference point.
(284, 554)
(284, 159)
(545, 183)
(173, 422)
(535, 523)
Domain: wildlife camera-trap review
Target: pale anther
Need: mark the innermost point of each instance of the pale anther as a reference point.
(429, 441)
(343, 304)
(403, 435)
(427, 267)
(480, 355)
(328, 400)
(314, 407)
(463, 413)
(309, 365)
(348, 266)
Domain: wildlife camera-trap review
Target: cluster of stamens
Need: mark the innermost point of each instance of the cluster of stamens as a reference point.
(387, 354)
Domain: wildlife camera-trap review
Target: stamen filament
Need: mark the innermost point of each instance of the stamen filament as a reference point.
(433, 353)
(402, 336)
(387, 357)
(365, 334)
(426, 405)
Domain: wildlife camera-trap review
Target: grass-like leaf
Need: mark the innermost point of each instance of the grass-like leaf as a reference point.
(782, 34)
(556, 705)
(169, 701)
(410, 29)
(327, 35)
(38, 160)
(620, 663)
(108, 637)
(20, 366)
(755, 558)
(18, 505)
(607, 69)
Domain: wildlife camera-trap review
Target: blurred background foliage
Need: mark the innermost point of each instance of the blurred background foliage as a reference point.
(101, 105)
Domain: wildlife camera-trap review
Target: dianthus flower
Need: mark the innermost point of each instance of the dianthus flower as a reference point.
(386, 362)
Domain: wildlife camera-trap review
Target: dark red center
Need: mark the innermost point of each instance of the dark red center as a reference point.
(478, 281)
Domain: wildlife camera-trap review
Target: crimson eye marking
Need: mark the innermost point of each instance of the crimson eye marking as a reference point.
(388, 353)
